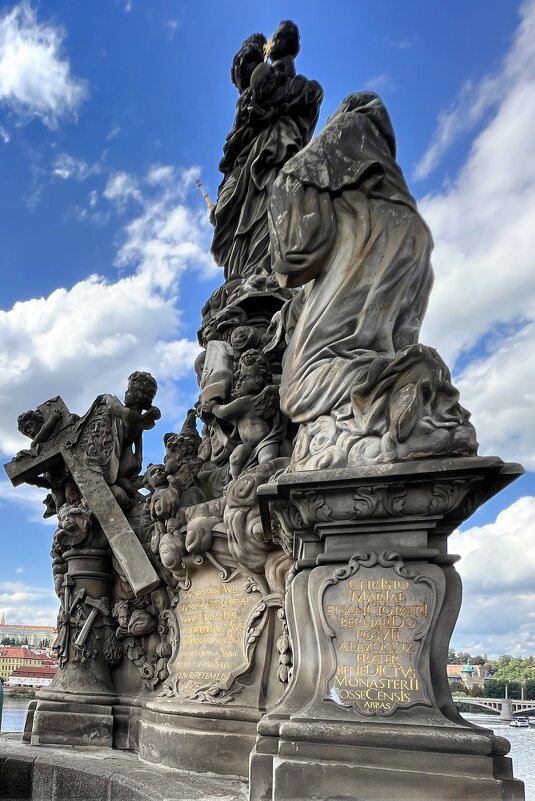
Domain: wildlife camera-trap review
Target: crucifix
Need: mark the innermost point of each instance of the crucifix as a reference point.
(89, 448)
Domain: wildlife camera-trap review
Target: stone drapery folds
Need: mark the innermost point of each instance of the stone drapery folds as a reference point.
(344, 225)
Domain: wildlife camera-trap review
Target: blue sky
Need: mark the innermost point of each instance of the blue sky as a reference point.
(109, 110)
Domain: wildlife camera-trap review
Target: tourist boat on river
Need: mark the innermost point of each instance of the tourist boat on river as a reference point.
(520, 723)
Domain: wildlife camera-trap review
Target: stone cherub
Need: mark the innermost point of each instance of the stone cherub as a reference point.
(172, 484)
(41, 428)
(128, 421)
(163, 502)
(252, 410)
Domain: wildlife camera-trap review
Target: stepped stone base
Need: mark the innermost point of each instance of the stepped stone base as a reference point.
(100, 774)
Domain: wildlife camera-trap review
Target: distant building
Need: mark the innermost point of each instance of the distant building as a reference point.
(468, 675)
(13, 657)
(26, 635)
(32, 677)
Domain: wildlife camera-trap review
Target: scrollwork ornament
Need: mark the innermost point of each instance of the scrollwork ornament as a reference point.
(312, 507)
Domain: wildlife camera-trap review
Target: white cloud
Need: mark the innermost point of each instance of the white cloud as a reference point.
(121, 188)
(167, 234)
(497, 568)
(21, 603)
(172, 27)
(469, 108)
(476, 99)
(67, 167)
(5, 135)
(85, 340)
(35, 80)
(160, 174)
(29, 498)
(380, 81)
(113, 132)
(484, 295)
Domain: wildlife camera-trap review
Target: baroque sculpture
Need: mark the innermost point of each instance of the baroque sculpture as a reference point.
(278, 588)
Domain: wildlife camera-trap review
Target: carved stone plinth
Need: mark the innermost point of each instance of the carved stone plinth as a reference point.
(224, 673)
(371, 608)
(76, 708)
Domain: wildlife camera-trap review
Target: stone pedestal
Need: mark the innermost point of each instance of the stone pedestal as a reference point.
(371, 609)
(223, 675)
(76, 708)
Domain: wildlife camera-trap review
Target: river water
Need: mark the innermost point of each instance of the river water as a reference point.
(522, 740)
(13, 714)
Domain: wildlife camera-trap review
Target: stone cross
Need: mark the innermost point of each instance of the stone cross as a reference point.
(61, 451)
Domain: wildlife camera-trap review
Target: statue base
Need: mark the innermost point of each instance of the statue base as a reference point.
(77, 707)
(371, 609)
(208, 739)
(69, 722)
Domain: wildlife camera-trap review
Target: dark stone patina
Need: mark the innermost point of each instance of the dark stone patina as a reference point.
(280, 603)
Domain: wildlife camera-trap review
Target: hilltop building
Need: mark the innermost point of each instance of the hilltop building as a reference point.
(27, 635)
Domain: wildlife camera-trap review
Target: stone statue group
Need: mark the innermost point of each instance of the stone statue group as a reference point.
(310, 361)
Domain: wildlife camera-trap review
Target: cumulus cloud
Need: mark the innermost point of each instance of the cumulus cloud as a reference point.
(159, 240)
(35, 78)
(120, 188)
(81, 341)
(21, 603)
(497, 568)
(483, 303)
(476, 99)
(160, 174)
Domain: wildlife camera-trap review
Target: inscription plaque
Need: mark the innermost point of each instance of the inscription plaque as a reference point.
(213, 618)
(376, 613)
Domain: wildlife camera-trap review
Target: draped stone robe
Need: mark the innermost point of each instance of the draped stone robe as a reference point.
(266, 133)
(343, 222)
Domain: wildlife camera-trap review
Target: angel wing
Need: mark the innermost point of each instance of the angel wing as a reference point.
(266, 403)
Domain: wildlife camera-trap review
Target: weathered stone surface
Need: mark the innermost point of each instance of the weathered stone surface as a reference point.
(79, 774)
(64, 723)
(15, 776)
(213, 618)
(276, 113)
(354, 375)
(370, 613)
(101, 465)
(283, 589)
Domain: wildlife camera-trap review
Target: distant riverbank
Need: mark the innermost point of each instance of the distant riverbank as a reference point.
(18, 693)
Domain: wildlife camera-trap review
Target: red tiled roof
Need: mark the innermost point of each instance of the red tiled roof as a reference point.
(18, 652)
(35, 672)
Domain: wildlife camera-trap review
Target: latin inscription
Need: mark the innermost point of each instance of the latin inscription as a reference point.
(379, 620)
(212, 617)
